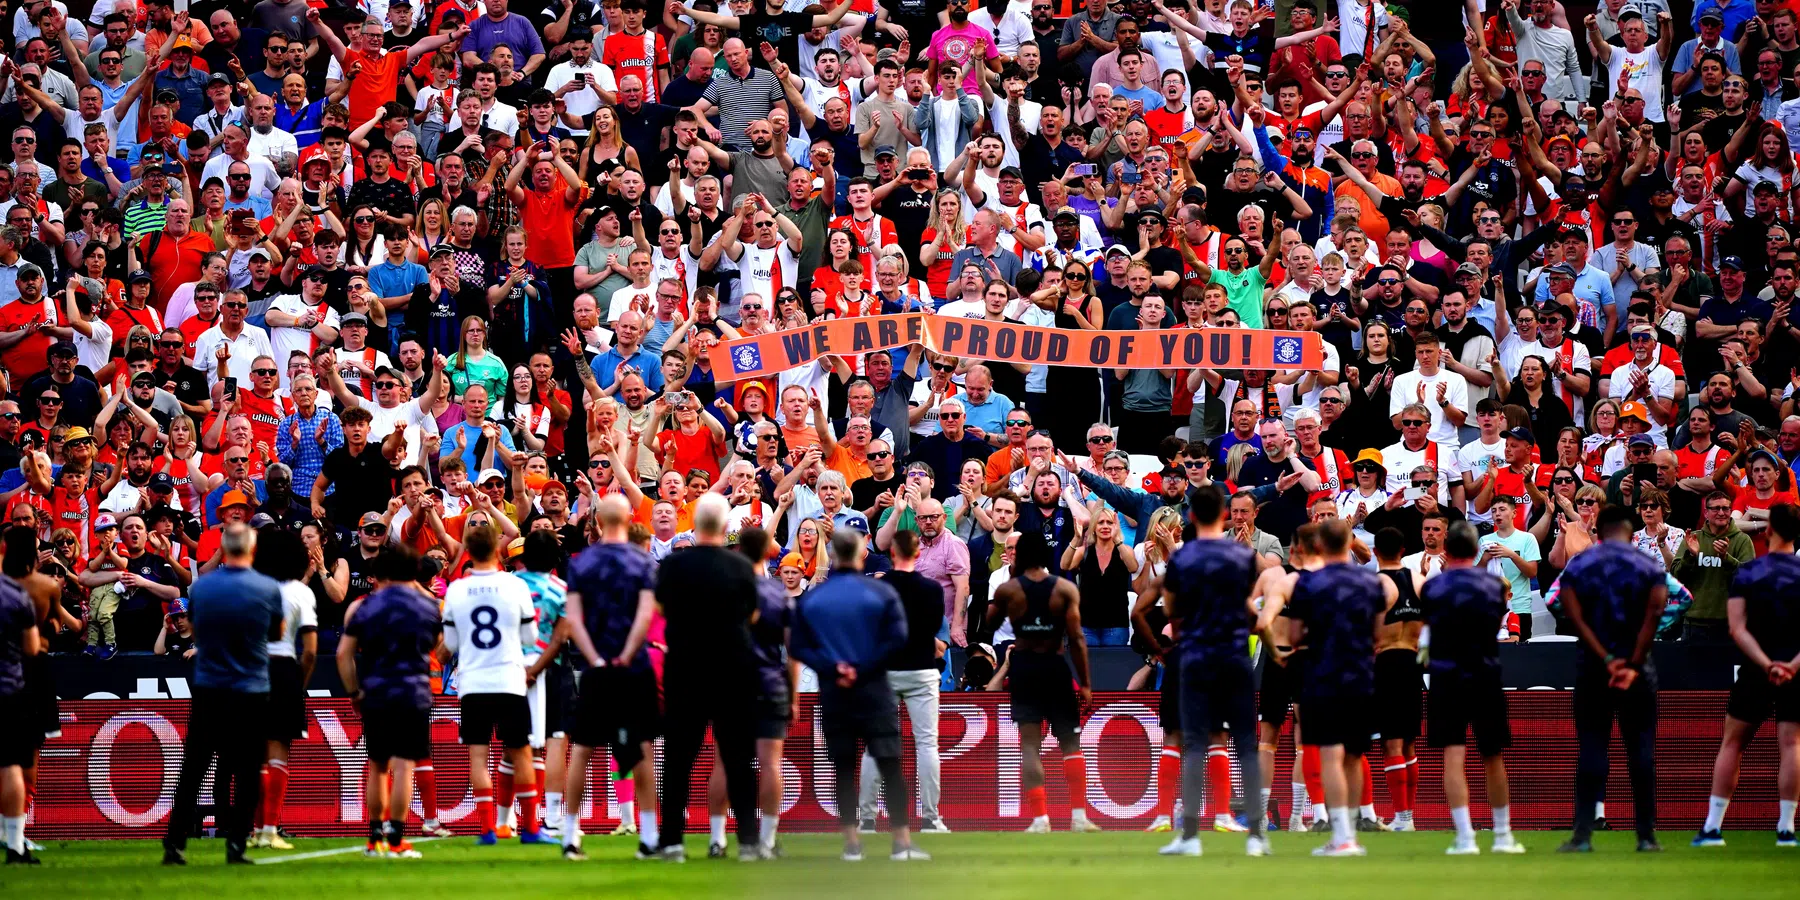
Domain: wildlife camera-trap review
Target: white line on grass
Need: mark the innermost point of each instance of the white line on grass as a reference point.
(316, 854)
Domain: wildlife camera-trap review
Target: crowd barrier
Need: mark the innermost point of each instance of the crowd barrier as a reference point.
(113, 771)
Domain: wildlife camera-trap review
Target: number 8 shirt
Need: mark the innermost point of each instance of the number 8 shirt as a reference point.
(494, 619)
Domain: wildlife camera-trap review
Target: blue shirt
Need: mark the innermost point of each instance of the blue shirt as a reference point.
(1611, 580)
(469, 454)
(1211, 579)
(649, 365)
(189, 88)
(395, 628)
(609, 578)
(1464, 609)
(16, 615)
(1733, 13)
(389, 280)
(120, 169)
(304, 125)
(236, 612)
(990, 417)
(1595, 287)
(253, 203)
(307, 457)
(851, 618)
(1339, 604)
(210, 506)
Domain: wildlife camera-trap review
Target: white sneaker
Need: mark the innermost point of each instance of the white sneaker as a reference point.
(1039, 825)
(852, 854)
(1402, 822)
(910, 854)
(1506, 843)
(1161, 823)
(258, 841)
(434, 828)
(1296, 822)
(1181, 846)
(1463, 847)
(625, 826)
(1351, 848)
(934, 825)
(1228, 824)
(1079, 823)
(1258, 845)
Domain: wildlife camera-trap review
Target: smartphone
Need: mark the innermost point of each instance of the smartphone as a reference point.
(1412, 494)
(1130, 174)
(231, 387)
(1644, 474)
(1084, 170)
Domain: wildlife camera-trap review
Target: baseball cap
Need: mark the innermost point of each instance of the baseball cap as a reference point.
(489, 474)
(138, 275)
(1765, 187)
(753, 385)
(182, 42)
(885, 150)
(1631, 11)
(1732, 262)
(178, 606)
(143, 378)
(233, 498)
(369, 518)
(1066, 212)
(1468, 269)
(792, 560)
(1760, 453)
(104, 521)
(441, 250)
(1561, 269)
(553, 484)
(1520, 433)
(515, 548)
(254, 253)
(1117, 248)
(29, 270)
(62, 348)
(316, 273)
(218, 78)
(1641, 440)
(1152, 214)
(1012, 172)
(261, 520)
(162, 482)
(1713, 14)
(1631, 409)
(354, 318)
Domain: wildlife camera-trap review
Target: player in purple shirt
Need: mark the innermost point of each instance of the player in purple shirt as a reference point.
(393, 631)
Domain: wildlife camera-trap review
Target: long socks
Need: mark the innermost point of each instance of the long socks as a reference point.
(1168, 779)
(1218, 776)
(1075, 773)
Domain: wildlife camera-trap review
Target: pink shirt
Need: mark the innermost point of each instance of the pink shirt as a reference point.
(956, 44)
(940, 559)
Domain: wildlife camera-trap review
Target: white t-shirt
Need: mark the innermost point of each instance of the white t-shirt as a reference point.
(408, 415)
(1401, 462)
(1646, 69)
(94, 350)
(488, 620)
(581, 103)
(298, 610)
(684, 267)
(1456, 393)
(1477, 459)
(287, 339)
(1029, 111)
(623, 298)
(1662, 386)
(1009, 32)
(251, 343)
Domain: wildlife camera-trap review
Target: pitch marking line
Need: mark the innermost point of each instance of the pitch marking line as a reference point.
(317, 854)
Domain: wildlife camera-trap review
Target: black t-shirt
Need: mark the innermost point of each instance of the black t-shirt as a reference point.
(865, 490)
(392, 196)
(1164, 260)
(150, 567)
(1384, 155)
(187, 383)
(909, 210)
(923, 600)
(782, 29)
(364, 482)
(707, 595)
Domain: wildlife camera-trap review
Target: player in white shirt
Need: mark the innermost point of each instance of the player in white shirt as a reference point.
(281, 555)
(489, 618)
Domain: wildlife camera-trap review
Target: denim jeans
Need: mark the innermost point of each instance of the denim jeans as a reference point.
(1107, 637)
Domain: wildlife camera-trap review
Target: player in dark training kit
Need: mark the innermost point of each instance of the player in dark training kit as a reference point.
(1614, 595)
(1464, 606)
(1339, 607)
(19, 741)
(1763, 610)
(611, 600)
(1045, 611)
(1206, 589)
(1399, 683)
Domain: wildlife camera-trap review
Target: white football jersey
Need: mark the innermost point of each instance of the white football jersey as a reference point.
(297, 611)
(488, 620)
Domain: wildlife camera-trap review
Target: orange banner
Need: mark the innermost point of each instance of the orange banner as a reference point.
(1171, 348)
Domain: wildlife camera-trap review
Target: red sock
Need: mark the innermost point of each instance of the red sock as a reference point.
(528, 809)
(1412, 784)
(426, 776)
(1309, 771)
(484, 810)
(1368, 785)
(274, 791)
(1394, 768)
(262, 814)
(1075, 772)
(503, 787)
(1035, 805)
(1218, 780)
(1168, 780)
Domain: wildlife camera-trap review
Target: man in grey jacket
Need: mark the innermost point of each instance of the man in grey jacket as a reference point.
(946, 121)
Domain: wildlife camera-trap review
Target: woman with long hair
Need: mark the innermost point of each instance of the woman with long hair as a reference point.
(473, 364)
(432, 229)
(1074, 393)
(180, 460)
(1575, 531)
(605, 145)
(1771, 161)
(1162, 537)
(520, 318)
(1423, 250)
(967, 511)
(840, 248)
(1372, 381)
(1548, 414)
(445, 408)
(1104, 567)
(945, 233)
(1657, 539)
(365, 245)
(516, 409)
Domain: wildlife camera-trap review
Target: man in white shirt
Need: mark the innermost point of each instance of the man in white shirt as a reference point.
(232, 341)
(235, 139)
(302, 321)
(389, 411)
(1646, 381)
(266, 140)
(1415, 450)
(1444, 393)
(583, 82)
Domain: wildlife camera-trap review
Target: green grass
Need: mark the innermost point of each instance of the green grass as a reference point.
(988, 866)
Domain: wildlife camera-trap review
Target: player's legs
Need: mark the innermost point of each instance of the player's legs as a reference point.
(574, 790)
(1788, 781)
(1218, 781)
(769, 787)
(643, 786)
(1733, 738)
(274, 793)
(1074, 764)
(1336, 777)
(1168, 779)
(556, 758)
(918, 689)
(12, 808)
(481, 781)
(737, 751)
(399, 794)
(1031, 773)
(1637, 731)
(717, 807)
(525, 788)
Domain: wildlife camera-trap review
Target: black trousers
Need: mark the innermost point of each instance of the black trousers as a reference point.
(691, 705)
(231, 726)
(865, 715)
(1596, 706)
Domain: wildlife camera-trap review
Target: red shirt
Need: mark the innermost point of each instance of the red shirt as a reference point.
(265, 415)
(176, 262)
(1746, 500)
(637, 54)
(699, 450)
(375, 84)
(192, 329)
(26, 358)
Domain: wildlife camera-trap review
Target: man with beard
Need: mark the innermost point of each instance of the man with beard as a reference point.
(131, 492)
(1086, 35)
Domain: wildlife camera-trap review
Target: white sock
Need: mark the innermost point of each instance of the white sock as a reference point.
(647, 830)
(14, 830)
(507, 816)
(571, 828)
(430, 824)
(628, 810)
(1297, 795)
(1600, 809)
(1343, 828)
(1502, 820)
(718, 828)
(552, 806)
(1715, 813)
(1367, 811)
(770, 824)
(1786, 822)
(1465, 826)
(1265, 801)
(1320, 813)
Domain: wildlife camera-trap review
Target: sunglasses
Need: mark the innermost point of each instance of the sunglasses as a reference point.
(940, 367)
(1367, 467)
(1414, 423)
(1363, 155)
(245, 176)
(1423, 484)
(359, 220)
(1562, 479)
(881, 454)
(1587, 501)
(235, 304)
(1195, 464)
(950, 415)
(1101, 439)
(1488, 220)
(237, 459)
(1643, 338)
(1624, 221)
(1234, 251)
(1275, 311)
(1017, 423)
(374, 530)
(49, 401)
(1075, 276)
(1388, 282)
(266, 373)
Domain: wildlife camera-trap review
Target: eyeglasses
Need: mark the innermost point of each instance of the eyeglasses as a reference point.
(1101, 439)
(49, 401)
(1719, 509)
(1624, 221)
(880, 454)
(928, 517)
(942, 367)
(235, 304)
(1324, 400)
(266, 373)
(1017, 423)
(1414, 423)
(1361, 154)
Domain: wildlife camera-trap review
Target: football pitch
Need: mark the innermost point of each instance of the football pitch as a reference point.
(988, 866)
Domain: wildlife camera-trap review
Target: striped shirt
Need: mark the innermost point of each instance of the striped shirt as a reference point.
(305, 456)
(740, 101)
(141, 217)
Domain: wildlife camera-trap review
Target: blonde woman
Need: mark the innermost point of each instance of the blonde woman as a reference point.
(1163, 538)
(433, 228)
(945, 233)
(1103, 567)
(1234, 461)
(181, 461)
(1577, 524)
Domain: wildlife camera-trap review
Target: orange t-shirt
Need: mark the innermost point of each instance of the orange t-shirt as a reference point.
(26, 358)
(999, 466)
(1746, 499)
(850, 467)
(549, 241)
(684, 514)
(1372, 222)
(175, 263)
(376, 84)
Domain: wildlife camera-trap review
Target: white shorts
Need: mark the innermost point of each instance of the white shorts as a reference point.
(534, 698)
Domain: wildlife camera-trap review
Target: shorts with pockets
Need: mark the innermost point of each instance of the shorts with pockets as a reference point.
(485, 716)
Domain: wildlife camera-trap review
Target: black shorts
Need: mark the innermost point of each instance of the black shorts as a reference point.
(1279, 687)
(40, 686)
(1458, 704)
(487, 715)
(1216, 694)
(1343, 719)
(396, 732)
(287, 700)
(1168, 703)
(1753, 698)
(559, 699)
(1042, 691)
(616, 708)
(865, 716)
(769, 717)
(1399, 694)
(18, 746)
